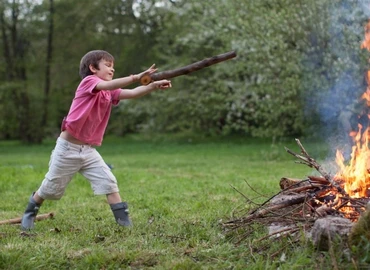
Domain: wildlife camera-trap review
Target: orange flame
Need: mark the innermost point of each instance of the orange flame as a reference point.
(366, 43)
(356, 175)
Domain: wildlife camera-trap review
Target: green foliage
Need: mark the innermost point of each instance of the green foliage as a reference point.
(8, 123)
(299, 63)
(334, 65)
(284, 80)
(14, 115)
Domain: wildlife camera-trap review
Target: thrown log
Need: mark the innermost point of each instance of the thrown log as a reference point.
(18, 220)
(168, 74)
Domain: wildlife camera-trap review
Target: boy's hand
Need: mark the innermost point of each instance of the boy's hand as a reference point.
(149, 71)
(162, 84)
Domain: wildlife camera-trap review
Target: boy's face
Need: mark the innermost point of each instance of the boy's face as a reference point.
(105, 71)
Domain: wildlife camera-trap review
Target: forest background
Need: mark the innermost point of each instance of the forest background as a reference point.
(299, 64)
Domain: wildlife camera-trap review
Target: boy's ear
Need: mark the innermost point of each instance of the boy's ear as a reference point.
(92, 68)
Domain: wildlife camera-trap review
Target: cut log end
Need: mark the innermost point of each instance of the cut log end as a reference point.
(145, 80)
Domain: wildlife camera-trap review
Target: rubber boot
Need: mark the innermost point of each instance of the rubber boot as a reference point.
(120, 212)
(29, 215)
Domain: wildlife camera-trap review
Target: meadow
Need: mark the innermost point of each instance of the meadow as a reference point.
(180, 191)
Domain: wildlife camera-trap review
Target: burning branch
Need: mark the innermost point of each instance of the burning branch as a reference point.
(187, 69)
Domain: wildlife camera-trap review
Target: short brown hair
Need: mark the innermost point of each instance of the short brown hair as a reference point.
(93, 58)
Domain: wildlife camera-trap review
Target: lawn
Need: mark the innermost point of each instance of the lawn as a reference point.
(180, 190)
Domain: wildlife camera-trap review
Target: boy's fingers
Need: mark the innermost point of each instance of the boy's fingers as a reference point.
(166, 85)
(163, 84)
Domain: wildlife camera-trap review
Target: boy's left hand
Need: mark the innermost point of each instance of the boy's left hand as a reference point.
(149, 71)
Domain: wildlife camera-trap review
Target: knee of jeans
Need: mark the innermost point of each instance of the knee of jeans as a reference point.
(51, 195)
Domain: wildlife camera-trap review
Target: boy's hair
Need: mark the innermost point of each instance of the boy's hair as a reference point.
(93, 58)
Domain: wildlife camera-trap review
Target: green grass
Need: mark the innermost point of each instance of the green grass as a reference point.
(179, 191)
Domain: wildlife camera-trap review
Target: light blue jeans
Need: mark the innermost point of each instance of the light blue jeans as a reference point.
(66, 160)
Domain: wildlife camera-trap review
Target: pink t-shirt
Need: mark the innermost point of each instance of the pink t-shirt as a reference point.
(89, 113)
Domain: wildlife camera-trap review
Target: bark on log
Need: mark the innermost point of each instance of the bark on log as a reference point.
(318, 180)
(168, 74)
(286, 182)
(18, 220)
(282, 204)
(301, 189)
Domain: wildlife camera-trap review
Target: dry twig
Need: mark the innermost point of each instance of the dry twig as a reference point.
(310, 162)
(18, 220)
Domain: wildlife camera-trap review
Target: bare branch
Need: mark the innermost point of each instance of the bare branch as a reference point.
(187, 69)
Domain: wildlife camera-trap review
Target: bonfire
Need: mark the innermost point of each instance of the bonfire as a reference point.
(321, 206)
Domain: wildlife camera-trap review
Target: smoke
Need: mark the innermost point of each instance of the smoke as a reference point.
(339, 72)
(365, 6)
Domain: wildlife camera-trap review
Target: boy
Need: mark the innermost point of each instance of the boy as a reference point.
(83, 128)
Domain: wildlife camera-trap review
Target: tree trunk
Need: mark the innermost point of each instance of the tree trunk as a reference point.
(6, 49)
(48, 64)
(14, 50)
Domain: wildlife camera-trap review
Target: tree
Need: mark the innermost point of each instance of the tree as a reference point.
(48, 64)
(15, 49)
(244, 95)
(290, 56)
(298, 63)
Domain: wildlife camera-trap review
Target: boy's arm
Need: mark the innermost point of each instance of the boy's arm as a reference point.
(116, 83)
(144, 89)
(124, 81)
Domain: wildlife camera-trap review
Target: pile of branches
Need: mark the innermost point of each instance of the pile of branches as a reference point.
(298, 205)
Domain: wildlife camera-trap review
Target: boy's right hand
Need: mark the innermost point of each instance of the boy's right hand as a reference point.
(162, 84)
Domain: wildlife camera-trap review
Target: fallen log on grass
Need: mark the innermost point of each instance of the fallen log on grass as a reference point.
(18, 220)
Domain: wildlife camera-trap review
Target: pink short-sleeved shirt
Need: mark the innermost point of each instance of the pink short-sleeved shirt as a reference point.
(89, 113)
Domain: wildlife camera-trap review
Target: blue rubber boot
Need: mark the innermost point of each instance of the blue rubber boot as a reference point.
(29, 215)
(120, 212)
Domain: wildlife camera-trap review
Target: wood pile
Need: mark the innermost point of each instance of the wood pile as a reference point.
(301, 206)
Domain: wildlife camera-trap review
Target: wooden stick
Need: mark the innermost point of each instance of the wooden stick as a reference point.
(187, 69)
(300, 189)
(18, 220)
(318, 180)
(286, 182)
(263, 211)
(310, 162)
